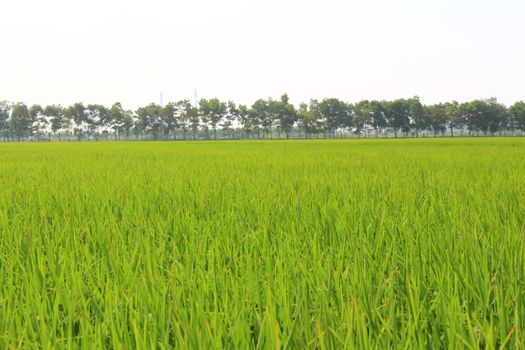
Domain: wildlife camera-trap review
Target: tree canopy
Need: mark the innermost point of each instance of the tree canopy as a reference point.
(265, 118)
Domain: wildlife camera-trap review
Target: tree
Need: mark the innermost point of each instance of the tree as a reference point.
(20, 121)
(80, 119)
(170, 115)
(517, 115)
(184, 107)
(362, 115)
(128, 122)
(264, 118)
(261, 117)
(308, 118)
(377, 112)
(487, 116)
(286, 115)
(116, 117)
(497, 116)
(438, 118)
(231, 116)
(212, 111)
(55, 114)
(38, 120)
(243, 118)
(475, 115)
(455, 116)
(98, 118)
(5, 111)
(150, 120)
(419, 120)
(319, 120)
(398, 115)
(335, 113)
(193, 116)
(77, 112)
(470, 112)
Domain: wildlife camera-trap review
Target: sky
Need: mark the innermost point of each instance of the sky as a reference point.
(104, 51)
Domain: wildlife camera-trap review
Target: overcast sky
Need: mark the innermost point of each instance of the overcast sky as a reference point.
(102, 51)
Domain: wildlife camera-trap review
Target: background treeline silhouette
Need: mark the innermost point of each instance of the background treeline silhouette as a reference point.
(265, 119)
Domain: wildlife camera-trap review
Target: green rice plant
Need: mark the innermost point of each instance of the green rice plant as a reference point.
(366, 244)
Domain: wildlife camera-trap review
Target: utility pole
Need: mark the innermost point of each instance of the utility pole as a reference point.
(195, 98)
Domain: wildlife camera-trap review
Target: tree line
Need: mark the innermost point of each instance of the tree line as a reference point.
(265, 118)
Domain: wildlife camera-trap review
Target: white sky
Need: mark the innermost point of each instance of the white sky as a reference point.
(102, 51)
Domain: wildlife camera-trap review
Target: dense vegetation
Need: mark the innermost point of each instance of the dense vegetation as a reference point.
(213, 119)
(304, 244)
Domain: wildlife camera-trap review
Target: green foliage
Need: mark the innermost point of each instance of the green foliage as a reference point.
(286, 114)
(437, 117)
(56, 116)
(308, 118)
(487, 116)
(419, 121)
(266, 118)
(37, 121)
(116, 116)
(517, 115)
(213, 111)
(370, 244)
(149, 119)
(20, 120)
(262, 116)
(335, 113)
(5, 110)
(398, 115)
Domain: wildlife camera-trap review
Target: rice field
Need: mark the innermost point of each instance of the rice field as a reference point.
(368, 244)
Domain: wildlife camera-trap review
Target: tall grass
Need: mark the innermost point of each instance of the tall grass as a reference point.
(301, 244)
